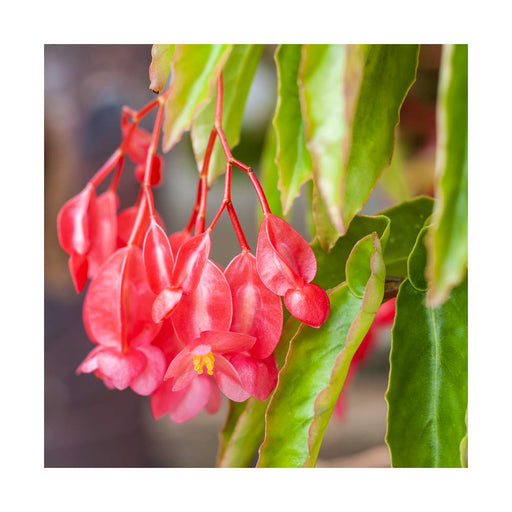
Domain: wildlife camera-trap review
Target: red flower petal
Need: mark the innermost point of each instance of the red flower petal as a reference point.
(126, 221)
(223, 341)
(139, 141)
(259, 377)
(190, 262)
(208, 308)
(73, 222)
(182, 405)
(103, 230)
(181, 370)
(256, 310)
(78, 266)
(117, 307)
(158, 258)
(166, 303)
(121, 368)
(153, 374)
(309, 304)
(215, 398)
(228, 380)
(90, 363)
(177, 240)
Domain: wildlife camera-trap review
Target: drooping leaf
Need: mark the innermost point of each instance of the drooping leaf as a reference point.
(293, 158)
(448, 243)
(331, 265)
(269, 175)
(389, 72)
(407, 219)
(315, 369)
(351, 97)
(325, 232)
(238, 73)
(160, 67)
(428, 383)
(321, 77)
(195, 70)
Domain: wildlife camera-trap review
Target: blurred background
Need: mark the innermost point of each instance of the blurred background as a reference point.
(87, 425)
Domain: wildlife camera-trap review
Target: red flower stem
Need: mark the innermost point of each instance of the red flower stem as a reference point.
(238, 229)
(106, 168)
(203, 185)
(153, 146)
(117, 175)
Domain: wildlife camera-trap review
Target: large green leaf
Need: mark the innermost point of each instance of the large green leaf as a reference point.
(321, 78)
(351, 98)
(428, 381)
(160, 67)
(448, 244)
(195, 70)
(392, 180)
(293, 158)
(315, 369)
(237, 74)
(407, 219)
(389, 72)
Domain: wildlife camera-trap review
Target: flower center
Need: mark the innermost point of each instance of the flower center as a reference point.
(201, 361)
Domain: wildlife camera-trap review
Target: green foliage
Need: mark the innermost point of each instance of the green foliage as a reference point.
(195, 70)
(448, 242)
(427, 393)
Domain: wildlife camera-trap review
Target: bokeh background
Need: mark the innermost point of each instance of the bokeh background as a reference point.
(87, 425)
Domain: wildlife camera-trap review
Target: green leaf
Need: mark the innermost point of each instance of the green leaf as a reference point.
(320, 85)
(331, 265)
(389, 72)
(269, 174)
(315, 370)
(237, 76)
(407, 219)
(356, 271)
(448, 242)
(351, 97)
(242, 433)
(428, 382)
(195, 71)
(293, 158)
(160, 67)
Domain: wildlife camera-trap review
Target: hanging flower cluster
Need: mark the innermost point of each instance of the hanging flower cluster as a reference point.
(167, 321)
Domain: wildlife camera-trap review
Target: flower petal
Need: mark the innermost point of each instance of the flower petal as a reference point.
(121, 368)
(166, 303)
(158, 258)
(228, 380)
(256, 310)
(78, 268)
(309, 304)
(181, 370)
(153, 374)
(103, 230)
(208, 307)
(190, 261)
(188, 403)
(259, 377)
(73, 222)
(225, 341)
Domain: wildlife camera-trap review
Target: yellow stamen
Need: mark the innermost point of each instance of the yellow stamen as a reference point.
(201, 361)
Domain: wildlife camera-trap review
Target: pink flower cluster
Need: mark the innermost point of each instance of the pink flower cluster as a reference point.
(167, 321)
